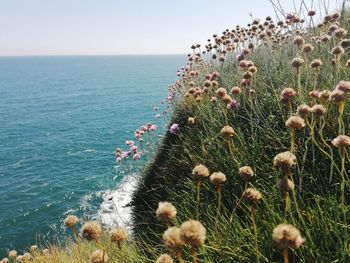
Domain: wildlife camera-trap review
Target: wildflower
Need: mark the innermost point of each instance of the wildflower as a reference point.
(235, 90)
(287, 94)
(99, 256)
(314, 93)
(200, 171)
(136, 156)
(340, 33)
(295, 122)
(298, 40)
(165, 258)
(227, 132)
(119, 234)
(341, 141)
(297, 62)
(213, 99)
(318, 109)
(218, 178)
(71, 221)
(46, 251)
(246, 173)
(284, 160)
(251, 195)
(91, 231)
(26, 257)
(337, 96)
(285, 185)
(174, 128)
(166, 211)
(221, 92)
(343, 86)
(172, 239)
(316, 63)
(287, 236)
(13, 254)
(311, 13)
(191, 120)
(303, 110)
(19, 258)
(193, 233)
(338, 50)
(307, 48)
(233, 104)
(34, 248)
(324, 95)
(227, 98)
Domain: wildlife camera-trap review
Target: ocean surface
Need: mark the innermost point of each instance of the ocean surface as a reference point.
(61, 119)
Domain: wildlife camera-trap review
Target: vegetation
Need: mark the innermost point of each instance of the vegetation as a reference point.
(255, 166)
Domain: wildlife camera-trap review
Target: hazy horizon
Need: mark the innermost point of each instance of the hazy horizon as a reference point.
(135, 27)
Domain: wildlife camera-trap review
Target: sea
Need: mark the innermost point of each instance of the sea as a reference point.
(61, 119)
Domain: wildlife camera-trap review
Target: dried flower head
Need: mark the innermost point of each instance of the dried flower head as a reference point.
(252, 196)
(287, 236)
(298, 40)
(236, 90)
(297, 62)
(218, 178)
(337, 96)
(285, 185)
(13, 254)
(200, 171)
(34, 248)
(221, 92)
(166, 211)
(172, 239)
(343, 86)
(341, 141)
(246, 173)
(303, 110)
(287, 94)
(338, 50)
(324, 95)
(193, 233)
(227, 132)
(164, 258)
(91, 230)
(307, 48)
(284, 160)
(191, 120)
(71, 221)
(316, 63)
(99, 256)
(295, 122)
(227, 98)
(26, 257)
(119, 234)
(318, 109)
(4, 260)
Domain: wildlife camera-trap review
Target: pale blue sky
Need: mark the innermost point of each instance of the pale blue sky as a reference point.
(75, 27)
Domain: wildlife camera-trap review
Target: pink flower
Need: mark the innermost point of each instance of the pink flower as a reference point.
(174, 128)
(232, 105)
(214, 99)
(158, 116)
(129, 143)
(152, 127)
(118, 160)
(133, 148)
(136, 156)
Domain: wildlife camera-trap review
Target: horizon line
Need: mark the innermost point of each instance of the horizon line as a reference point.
(76, 55)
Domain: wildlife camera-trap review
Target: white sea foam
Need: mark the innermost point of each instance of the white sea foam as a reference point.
(115, 210)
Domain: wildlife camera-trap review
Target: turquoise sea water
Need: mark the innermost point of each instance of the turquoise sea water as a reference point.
(61, 119)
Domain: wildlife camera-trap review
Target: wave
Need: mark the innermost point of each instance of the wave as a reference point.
(115, 210)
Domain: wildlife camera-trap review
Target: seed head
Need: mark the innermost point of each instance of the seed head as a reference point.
(99, 256)
(318, 109)
(286, 235)
(338, 50)
(13, 254)
(193, 233)
(337, 96)
(324, 95)
(227, 132)
(316, 63)
(343, 86)
(166, 211)
(221, 92)
(295, 122)
(303, 110)
(71, 221)
(284, 160)
(172, 239)
(306, 48)
(165, 258)
(246, 173)
(119, 234)
(235, 90)
(285, 185)
(218, 178)
(297, 62)
(252, 196)
(341, 141)
(298, 40)
(91, 231)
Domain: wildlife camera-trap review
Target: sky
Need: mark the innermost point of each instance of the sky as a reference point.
(101, 27)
